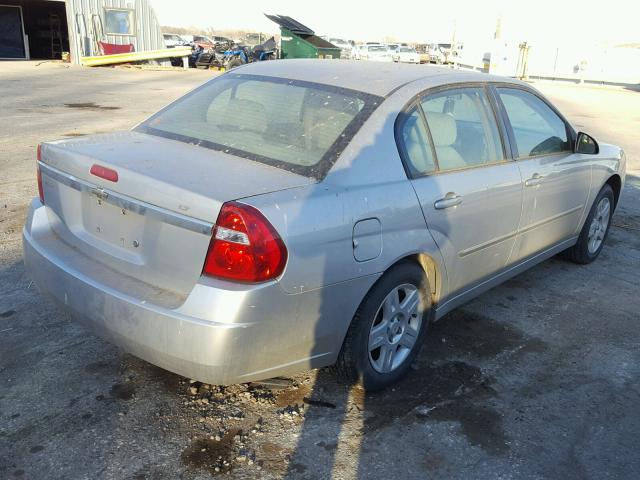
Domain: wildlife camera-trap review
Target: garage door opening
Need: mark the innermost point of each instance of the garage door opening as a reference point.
(33, 30)
(12, 44)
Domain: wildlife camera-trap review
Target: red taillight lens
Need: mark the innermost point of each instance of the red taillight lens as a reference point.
(244, 247)
(104, 172)
(38, 174)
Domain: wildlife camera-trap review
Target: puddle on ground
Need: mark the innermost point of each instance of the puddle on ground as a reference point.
(90, 106)
(101, 366)
(462, 333)
(209, 454)
(123, 391)
(131, 365)
(293, 396)
(169, 380)
(443, 385)
(274, 458)
(82, 134)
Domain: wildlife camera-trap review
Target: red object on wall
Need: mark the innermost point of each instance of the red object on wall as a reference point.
(112, 48)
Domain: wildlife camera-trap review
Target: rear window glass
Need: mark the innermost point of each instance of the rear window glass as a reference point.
(298, 126)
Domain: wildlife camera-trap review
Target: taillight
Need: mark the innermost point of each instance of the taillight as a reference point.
(104, 172)
(245, 247)
(38, 174)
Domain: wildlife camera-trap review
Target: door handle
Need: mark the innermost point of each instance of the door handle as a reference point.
(449, 200)
(533, 181)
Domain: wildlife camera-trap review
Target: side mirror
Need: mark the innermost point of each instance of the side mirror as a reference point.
(586, 144)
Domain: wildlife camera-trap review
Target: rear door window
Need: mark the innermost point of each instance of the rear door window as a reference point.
(463, 128)
(416, 143)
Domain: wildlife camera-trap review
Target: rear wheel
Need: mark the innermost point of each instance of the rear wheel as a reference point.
(387, 330)
(595, 229)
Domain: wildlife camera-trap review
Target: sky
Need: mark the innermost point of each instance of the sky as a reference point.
(539, 22)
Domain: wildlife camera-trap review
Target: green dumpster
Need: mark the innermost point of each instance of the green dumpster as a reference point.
(298, 41)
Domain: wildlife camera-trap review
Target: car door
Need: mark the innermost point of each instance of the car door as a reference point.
(469, 189)
(556, 181)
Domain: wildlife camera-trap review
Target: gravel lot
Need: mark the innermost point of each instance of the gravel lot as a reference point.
(539, 378)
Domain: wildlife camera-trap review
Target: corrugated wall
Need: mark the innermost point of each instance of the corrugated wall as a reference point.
(82, 14)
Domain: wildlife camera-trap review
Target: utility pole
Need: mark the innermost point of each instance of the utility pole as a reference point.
(523, 59)
(492, 62)
(453, 51)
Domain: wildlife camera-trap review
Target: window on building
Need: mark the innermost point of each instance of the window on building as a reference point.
(119, 21)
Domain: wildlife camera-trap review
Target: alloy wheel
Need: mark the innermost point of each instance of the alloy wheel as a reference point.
(599, 224)
(395, 328)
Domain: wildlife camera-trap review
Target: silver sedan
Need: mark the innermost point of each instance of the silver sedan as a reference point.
(296, 214)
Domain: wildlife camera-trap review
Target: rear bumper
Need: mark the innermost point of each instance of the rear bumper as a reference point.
(220, 333)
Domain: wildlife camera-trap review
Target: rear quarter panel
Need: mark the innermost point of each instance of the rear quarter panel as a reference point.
(322, 277)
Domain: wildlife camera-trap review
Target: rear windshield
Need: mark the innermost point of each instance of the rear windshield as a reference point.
(297, 126)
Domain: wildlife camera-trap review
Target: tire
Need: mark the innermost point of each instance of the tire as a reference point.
(596, 227)
(236, 62)
(358, 361)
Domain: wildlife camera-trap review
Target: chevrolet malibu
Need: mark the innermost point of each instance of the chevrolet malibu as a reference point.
(298, 214)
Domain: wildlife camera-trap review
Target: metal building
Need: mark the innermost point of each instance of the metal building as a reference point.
(44, 29)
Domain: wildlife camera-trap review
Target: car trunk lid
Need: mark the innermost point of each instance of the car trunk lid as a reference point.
(154, 221)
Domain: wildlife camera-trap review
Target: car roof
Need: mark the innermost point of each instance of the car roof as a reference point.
(375, 78)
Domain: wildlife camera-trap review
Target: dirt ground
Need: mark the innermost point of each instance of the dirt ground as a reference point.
(539, 378)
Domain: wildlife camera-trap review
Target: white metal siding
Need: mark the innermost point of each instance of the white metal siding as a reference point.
(147, 34)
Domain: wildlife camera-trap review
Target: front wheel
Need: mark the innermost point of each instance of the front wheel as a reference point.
(387, 330)
(595, 229)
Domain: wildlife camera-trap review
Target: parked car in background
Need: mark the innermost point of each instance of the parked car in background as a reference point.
(251, 39)
(201, 41)
(444, 53)
(376, 53)
(423, 51)
(356, 52)
(218, 40)
(173, 40)
(297, 230)
(344, 46)
(406, 55)
(436, 54)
